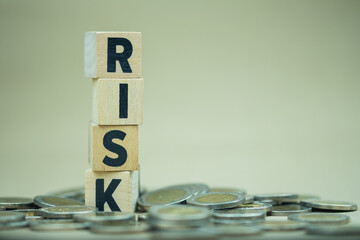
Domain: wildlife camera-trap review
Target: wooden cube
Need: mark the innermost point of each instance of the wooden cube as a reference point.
(112, 191)
(113, 148)
(118, 101)
(113, 54)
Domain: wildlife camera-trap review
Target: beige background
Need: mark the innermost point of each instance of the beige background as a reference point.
(263, 95)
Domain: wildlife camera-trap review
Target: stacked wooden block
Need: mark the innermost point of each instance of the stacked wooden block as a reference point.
(113, 61)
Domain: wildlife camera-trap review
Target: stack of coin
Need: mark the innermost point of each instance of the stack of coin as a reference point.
(185, 209)
(177, 217)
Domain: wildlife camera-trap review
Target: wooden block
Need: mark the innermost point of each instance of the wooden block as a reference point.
(112, 191)
(113, 54)
(113, 148)
(118, 101)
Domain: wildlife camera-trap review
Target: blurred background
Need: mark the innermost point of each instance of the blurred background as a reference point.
(261, 95)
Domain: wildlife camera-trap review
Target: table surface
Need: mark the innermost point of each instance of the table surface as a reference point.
(26, 233)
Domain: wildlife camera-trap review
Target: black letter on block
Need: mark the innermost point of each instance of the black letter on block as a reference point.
(103, 197)
(113, 147)
(123, 57)
(123, 101)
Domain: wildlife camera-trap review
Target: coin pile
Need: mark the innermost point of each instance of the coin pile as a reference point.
(195, 210)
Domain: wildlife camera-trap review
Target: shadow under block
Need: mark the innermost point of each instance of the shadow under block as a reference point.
(114, 148)
(113, 54)
(112, 191)
(118, 101)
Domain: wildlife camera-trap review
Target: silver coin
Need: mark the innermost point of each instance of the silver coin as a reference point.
(52, 201)
(222, 230)
(300, 198)
(320, 218)
(16, 202)
(282, 225)
(11, 216)
(272, 202)
(239, 216)
(346, 230)
(119, 229)
(330, 205)
(217, 200)
(227, 189)
(95, 217)
(12, 225)
(275, 196)
(286, 210)
(56, 225)
(178, 213)
(177, 216)
(236, 222)
(65, 211)
(248, 208)
(196, 188)
(164, 196)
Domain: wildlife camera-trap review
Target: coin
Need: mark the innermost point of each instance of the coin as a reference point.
(52, 201)
(223, 230)
(286, 210)
(281, 225)
(217, 200)
(119, 229)
(248, 208)
(275, 196)
(238, 218)
(177, 216)
(11, 216)
(164, 196)
(55, 225)
(12, 225)
(299, 198)
(329, 205)
(65, 211)
(196, 188)
(347, 230)
(272, 202)
(227, 189)
(320, 218)
(95, 217)
(16, 202)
